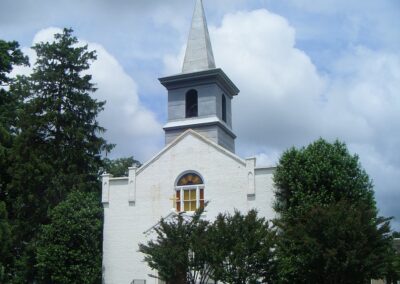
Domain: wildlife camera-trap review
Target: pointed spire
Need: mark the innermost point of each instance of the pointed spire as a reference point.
(199, 55)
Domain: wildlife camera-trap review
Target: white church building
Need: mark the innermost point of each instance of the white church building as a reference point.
(197, 164)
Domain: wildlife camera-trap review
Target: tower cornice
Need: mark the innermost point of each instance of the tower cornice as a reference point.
(216, 74)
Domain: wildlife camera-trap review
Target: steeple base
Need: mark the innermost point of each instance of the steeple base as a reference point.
(210, 128)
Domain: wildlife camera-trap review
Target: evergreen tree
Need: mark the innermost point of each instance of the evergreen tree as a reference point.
(5, 241)
(58, 147)
(329, 230)
(10, 56)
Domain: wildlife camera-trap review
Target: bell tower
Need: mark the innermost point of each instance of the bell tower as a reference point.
(200, 97)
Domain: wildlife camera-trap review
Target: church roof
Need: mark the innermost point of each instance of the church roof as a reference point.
(199, 55)
(201, 138)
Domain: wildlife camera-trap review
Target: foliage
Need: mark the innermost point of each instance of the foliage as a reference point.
(393, 269)
(119, 167)
(242, 248)
(337, 243)
(329, 231)
(320, 173)
(5, 240)
(10, 56)
(174, 252)
(69, 248)
(58, 147)
(234, 249)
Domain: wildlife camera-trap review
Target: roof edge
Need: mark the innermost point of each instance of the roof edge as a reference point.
(180, 138)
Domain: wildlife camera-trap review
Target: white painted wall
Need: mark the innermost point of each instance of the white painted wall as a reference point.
(226, 179)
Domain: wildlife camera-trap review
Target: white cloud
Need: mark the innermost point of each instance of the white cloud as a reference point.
(366, 87)
(129, 124)
(280, 86)
(267, 160)
(173, 63)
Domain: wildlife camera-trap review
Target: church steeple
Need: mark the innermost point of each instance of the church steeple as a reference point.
(200, 98)
(199, 55)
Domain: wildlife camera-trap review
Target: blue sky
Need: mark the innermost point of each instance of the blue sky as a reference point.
(306, 69)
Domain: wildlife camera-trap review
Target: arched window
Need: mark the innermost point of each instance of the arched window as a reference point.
(189, 193)
(223, 108)
(191, 104)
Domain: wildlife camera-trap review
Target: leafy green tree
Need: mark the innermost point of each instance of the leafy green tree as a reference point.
(337, 243)
(69, 247)
(320, 173)
(119, 167)
(58, 148)
(174, 252)
(233, 249)
(329, 231)
(242, 249)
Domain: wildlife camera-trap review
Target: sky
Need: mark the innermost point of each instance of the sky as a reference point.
(306, 69)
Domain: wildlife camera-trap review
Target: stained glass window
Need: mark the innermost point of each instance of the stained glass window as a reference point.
(190, 179)
(189, 193)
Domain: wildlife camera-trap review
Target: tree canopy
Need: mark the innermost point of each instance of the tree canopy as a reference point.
(173, 251)
(5, 240)
(58, 146)
(10, 56)
(119, 167)
(242, 248)
(329, 230)
(69, 248)
(234, 248)
(320, 173)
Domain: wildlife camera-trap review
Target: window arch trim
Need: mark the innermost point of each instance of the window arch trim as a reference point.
(188, 172)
